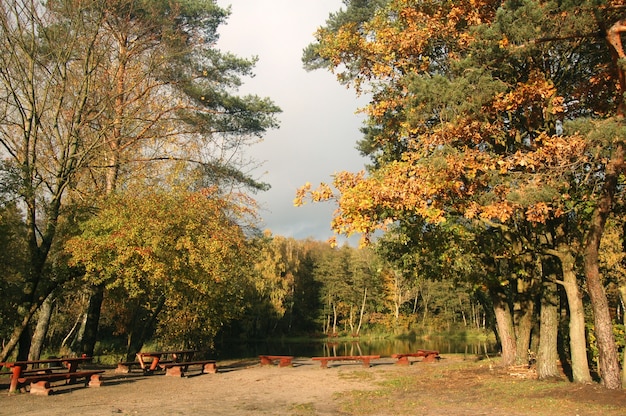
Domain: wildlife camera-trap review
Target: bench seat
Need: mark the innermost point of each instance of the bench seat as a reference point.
(125, 367)
(40, 383)
(365, 359)
(429, 356)
(179, 369)
(283, 360)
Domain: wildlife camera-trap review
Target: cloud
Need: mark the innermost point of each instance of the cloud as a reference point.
(319, 126)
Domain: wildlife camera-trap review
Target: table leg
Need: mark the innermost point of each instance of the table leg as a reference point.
(142, 364)
(155, 362)
(72, 366)
(404, 360)
(16, 372)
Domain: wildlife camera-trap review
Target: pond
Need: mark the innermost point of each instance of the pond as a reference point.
(326, 347)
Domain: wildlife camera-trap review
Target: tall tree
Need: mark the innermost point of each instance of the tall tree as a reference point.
(468, 118)
(186, 250)
(47, 66)
(157, 50)
(102, 91)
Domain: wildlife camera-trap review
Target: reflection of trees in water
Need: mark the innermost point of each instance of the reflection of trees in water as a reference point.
(383, 347)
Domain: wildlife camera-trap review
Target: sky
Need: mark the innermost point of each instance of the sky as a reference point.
(319, 124)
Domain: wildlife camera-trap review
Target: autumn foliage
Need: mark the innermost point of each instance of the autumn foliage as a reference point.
(498, 116)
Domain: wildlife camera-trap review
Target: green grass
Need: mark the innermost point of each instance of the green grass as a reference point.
(302, 409)
(478, 387)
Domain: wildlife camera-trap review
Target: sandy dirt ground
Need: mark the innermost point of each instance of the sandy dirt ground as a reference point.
(239, 388)
(244, 388)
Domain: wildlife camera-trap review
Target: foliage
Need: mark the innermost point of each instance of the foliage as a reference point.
(501, 117)
(12, 258)
(108, 93)
(185, 247)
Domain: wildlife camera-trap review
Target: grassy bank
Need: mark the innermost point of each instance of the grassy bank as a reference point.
(456, 386)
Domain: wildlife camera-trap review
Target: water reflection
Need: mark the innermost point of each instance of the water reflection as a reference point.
(383, 347)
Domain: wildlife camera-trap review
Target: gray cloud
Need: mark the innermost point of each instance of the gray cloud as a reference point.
(319, 127)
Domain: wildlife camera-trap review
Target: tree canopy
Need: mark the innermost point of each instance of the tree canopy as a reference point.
(500, 115)
(104, 95)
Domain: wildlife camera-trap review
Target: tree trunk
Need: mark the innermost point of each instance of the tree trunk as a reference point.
(90, 330)
(622, 291)
(21, 334)
(607, 349)
(577, 332)
(524, 313)
(141, 331)
(41, 330)
(358, 330)
(504, 322)
(334, 318)
(547, 356)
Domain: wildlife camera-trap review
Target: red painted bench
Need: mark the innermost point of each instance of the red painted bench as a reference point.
(429, 356)
(365, 359)
(126, 366)
(283, 360)
(179, 369)
(40, 383)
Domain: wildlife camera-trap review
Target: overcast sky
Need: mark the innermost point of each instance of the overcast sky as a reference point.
(319, 125)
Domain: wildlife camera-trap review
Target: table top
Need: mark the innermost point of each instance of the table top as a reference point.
(149, 353)
(44, 361)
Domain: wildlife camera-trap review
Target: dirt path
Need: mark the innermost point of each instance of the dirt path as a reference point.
(243, 388)
(454, 386)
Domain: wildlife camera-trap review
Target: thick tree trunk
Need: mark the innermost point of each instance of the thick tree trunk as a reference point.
(17, 335)
(607, 349)
(41, 330)
(90, 333)
(577, 335)
(504, 322)
(548, 356)
(142, 330)
(577, 331)
(524, 314)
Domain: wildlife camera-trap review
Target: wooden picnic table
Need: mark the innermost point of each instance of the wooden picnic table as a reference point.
(18, 367)
(365, 359)
(155, 357)
(429, 356)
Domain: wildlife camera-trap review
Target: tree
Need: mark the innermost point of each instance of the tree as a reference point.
(47, 65)
(184, 250)
(13, 250)
(107, 92)
(470, 118)
(166, 99)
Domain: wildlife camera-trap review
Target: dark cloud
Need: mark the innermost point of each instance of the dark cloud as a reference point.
(319, 126)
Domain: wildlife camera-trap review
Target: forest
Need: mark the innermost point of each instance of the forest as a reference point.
(492, 202)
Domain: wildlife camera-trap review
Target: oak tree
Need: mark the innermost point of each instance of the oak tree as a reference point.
(470, 119)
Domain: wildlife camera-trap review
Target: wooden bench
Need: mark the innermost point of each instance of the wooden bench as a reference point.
(429, 356)
(283, 360)
(126, 366)
(40, 383)
(179, 369)
(365, 359)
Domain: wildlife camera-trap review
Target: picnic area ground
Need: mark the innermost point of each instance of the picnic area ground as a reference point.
(455, 385)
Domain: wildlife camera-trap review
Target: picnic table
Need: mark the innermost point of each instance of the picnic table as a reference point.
(283, 360)
(155, 357)
(365, 359)
(429, 356)
(21, 369)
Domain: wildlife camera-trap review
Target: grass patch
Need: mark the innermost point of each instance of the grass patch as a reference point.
(302, 409)
(478, 387)
(356, 375)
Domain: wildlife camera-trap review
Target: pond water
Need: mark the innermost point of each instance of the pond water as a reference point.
(383, 347)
